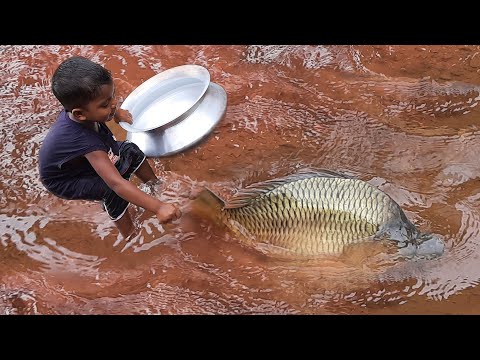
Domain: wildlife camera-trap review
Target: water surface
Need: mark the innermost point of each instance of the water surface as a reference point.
(404, 118)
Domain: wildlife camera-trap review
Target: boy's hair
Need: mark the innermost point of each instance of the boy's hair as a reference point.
(77, 81)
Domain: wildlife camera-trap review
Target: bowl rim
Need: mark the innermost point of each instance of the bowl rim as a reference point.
(197, 71)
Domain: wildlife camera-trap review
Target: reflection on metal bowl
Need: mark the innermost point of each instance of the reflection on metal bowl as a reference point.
(165, 96)
(186, 130)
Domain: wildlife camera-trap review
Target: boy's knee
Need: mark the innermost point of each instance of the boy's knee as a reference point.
(131, 158)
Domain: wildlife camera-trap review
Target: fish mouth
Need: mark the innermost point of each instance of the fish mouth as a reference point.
(425, 246)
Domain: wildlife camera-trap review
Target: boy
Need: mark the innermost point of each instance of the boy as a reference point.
(80, 159)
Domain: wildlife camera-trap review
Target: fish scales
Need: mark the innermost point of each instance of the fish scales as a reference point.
(346, 214)
(312, 213)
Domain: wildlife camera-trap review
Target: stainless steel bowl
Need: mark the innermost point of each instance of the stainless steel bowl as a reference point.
(188, 129)
(165, 96)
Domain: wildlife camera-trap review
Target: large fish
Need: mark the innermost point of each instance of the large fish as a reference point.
(318, 212)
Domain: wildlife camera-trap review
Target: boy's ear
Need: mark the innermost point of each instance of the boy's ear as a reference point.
(78, 114)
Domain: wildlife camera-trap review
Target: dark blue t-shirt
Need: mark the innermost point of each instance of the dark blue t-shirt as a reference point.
(61, 155)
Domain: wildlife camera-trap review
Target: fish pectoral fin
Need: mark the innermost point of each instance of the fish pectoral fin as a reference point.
(365, 248)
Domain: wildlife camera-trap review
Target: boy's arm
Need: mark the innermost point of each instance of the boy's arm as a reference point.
(128, 191)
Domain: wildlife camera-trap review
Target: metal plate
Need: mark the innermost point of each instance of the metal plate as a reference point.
(165, 96)
(188, 129)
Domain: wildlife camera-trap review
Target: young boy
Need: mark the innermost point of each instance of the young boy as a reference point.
(80, 158)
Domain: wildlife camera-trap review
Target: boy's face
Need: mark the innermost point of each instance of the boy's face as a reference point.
(100, 109)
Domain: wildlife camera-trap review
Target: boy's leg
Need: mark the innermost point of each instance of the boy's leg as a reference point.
(117, 209)
(125, 225)
(145, 172)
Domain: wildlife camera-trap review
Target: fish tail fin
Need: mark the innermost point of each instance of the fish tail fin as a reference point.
(208, 203)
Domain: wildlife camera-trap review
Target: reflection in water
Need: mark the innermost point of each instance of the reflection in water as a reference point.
(404, 118)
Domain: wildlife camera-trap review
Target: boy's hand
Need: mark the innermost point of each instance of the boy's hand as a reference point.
(123, 115)
(167, 213)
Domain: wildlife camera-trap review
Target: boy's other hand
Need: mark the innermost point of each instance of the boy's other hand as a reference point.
(123, 115)
(167, 213)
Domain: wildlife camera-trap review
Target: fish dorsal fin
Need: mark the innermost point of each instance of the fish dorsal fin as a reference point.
(314, 172)
(245, 196)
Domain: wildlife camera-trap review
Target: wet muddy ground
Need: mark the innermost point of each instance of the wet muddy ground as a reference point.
(404, 118)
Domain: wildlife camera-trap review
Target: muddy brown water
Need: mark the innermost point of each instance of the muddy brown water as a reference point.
(404, 118)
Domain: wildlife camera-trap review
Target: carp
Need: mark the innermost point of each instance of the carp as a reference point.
(317, 212)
